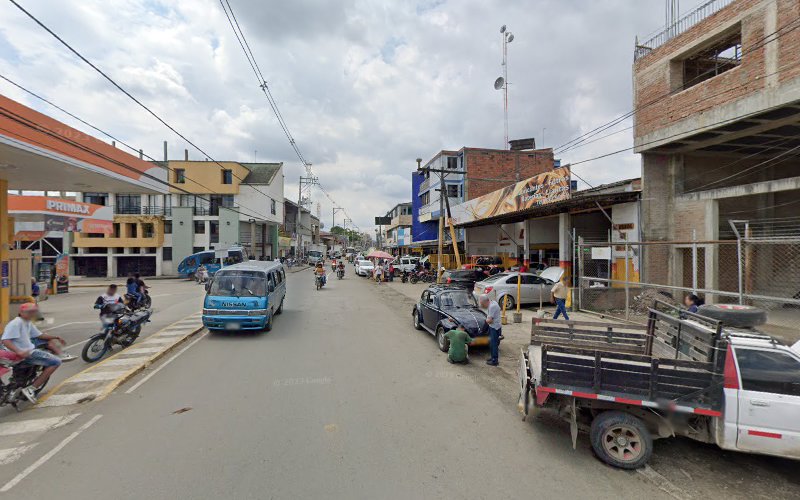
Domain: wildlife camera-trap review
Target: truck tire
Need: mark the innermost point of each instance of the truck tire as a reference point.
(621, 440)
(734, 315)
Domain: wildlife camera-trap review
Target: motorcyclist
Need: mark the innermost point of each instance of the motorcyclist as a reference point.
(109, 297)
(319, 270)
(21, 337)
(202, 274)
(340, 267)
(132, 289)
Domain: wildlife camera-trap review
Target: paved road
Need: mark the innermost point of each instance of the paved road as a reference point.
(341, 400)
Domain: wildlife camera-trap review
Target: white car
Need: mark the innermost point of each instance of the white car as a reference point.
(364, 268)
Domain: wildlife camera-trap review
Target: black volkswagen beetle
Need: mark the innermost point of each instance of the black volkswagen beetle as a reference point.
(443, 307)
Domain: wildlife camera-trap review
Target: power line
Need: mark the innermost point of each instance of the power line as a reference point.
(132, 97)
(757, 44)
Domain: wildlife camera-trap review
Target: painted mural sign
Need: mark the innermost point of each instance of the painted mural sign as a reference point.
(539, 190)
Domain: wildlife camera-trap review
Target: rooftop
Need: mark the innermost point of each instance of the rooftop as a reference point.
(261, 173)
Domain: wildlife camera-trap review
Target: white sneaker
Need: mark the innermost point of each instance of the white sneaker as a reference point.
(30, 394)
(67, 357)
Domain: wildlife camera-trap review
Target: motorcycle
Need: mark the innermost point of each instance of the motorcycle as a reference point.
(121, 326)
(22, 375)
(340, 273)
(423, 276)
(404, 277)
(318, 281)
(144, 303)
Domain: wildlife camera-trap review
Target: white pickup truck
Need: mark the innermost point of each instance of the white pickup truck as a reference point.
(683, 375)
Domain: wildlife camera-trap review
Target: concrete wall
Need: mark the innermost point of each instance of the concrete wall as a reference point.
(182, 234)
(228, 228)
(208, 177)
(498, 164)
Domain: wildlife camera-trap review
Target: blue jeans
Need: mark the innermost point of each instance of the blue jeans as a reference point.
(494, 343)
(561, 309)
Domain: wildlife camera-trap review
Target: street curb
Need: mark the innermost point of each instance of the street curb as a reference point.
(112, 384)
(298, 270)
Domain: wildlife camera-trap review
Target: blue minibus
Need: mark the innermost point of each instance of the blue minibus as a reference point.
(245, 296)
(188, 266)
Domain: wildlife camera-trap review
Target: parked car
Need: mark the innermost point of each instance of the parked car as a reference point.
(464, 277)
(364, 268)
(684, 374)
(405, 264)
(533, 290)
(443, 307)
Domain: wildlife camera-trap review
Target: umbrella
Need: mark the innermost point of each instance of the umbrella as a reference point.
(377, 254)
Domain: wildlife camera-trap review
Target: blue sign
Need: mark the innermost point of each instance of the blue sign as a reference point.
(4, 274)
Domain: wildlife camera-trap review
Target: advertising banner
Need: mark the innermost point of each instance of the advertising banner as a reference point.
(536, 191)
(62, 215)
(62, 273)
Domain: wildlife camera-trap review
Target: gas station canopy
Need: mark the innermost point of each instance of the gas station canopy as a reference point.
(61, 215)
(43, 154)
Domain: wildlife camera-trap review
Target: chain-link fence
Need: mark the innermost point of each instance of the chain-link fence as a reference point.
(622, 279)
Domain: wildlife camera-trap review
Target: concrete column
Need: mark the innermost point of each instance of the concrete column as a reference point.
(5, 228)
(526, 243)
(111, 268)
(273, 238)
(253, 240)
(712, 251)
(159, 260)
(565, 245)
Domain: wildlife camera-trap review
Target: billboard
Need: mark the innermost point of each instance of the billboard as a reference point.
(62, 215)
(383, 221)
(539, 190)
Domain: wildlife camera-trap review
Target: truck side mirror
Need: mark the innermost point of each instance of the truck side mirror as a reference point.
(208, 285)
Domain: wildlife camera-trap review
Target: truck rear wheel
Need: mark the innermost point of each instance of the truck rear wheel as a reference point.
(621, 440)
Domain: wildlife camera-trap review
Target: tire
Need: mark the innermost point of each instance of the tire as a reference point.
(511, 302)
(413, 279)
(444, 344)
(621, 440)
(268, 324)
(90, 348)
(734, 315)
(147, 301)
(415, 315)
(279, 310)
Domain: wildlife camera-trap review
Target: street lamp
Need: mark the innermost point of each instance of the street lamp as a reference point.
(502, 81)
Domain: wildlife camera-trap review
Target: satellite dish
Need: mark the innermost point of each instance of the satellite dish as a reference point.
(510, 37)
(503, 28)
(498, 84)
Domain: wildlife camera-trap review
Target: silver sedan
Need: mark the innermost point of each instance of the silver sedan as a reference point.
(533, 289)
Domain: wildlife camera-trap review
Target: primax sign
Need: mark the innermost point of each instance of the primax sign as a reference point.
(65, 206)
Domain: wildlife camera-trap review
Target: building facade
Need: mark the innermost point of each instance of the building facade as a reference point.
(209, 206)
(397, 235)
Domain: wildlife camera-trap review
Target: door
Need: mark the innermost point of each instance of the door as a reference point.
(769, 402)
(539, 289)
(430, 311)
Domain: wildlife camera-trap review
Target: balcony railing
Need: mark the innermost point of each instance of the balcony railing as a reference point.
(142, 210)
(681, 25)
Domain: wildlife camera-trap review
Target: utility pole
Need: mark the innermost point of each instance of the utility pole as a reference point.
(333, 219)
(442, 194)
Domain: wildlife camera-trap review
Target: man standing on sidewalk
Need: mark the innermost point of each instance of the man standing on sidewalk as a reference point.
(559, 296)
(495, 324)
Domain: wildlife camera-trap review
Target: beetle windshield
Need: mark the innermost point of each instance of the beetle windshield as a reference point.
(458, 299)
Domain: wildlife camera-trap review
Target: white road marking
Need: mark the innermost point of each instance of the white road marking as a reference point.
(35, 425)
(96, 376)
(12, 454)
(67, 324)
(47, 456)
(165, 363)
(66, 399)
(124, 361)
(157, 340)
(142, 350)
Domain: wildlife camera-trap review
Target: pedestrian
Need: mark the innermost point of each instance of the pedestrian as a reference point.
(391, 271)
(35, 290)
(494, 322)
(459, 339)
(379, 273)
(692, 302)
(559, 295)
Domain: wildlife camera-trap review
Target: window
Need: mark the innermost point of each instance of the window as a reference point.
(198, 249)
(199, 227)
(166, 253)
(769, 371)
(426, 198)
(273, 209)
(116, 229)
(452, 162)
(128, 204)
(227, 176)
(147, 230)
(95, 198)
(214, 230)
(132, 230)
(722, 56)
(452, 190)
(180, 175)
(220, 201)
(167, 227)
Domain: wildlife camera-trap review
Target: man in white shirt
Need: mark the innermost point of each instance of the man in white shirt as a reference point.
(559, 296)
(110, 297)
(22, 338)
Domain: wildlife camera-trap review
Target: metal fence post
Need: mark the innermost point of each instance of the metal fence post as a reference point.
(627, 285)
(738, 260)
(580, 272)
(694, 261)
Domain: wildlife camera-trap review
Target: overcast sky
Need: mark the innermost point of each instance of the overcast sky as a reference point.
(365, 86)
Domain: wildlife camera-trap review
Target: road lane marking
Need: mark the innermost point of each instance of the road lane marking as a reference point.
(149, 375)
(124, 361)
(67, 399)
(47, 456)
(96, 376)
(67, 324)
(143, 350)
(10, 455)
(35, 425)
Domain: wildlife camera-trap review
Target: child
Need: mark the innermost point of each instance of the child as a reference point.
(459, 339)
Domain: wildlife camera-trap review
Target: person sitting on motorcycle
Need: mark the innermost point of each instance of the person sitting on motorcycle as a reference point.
(341, 266)
(110, 297)
(319, 270)
(21, 337)
(132, 289)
